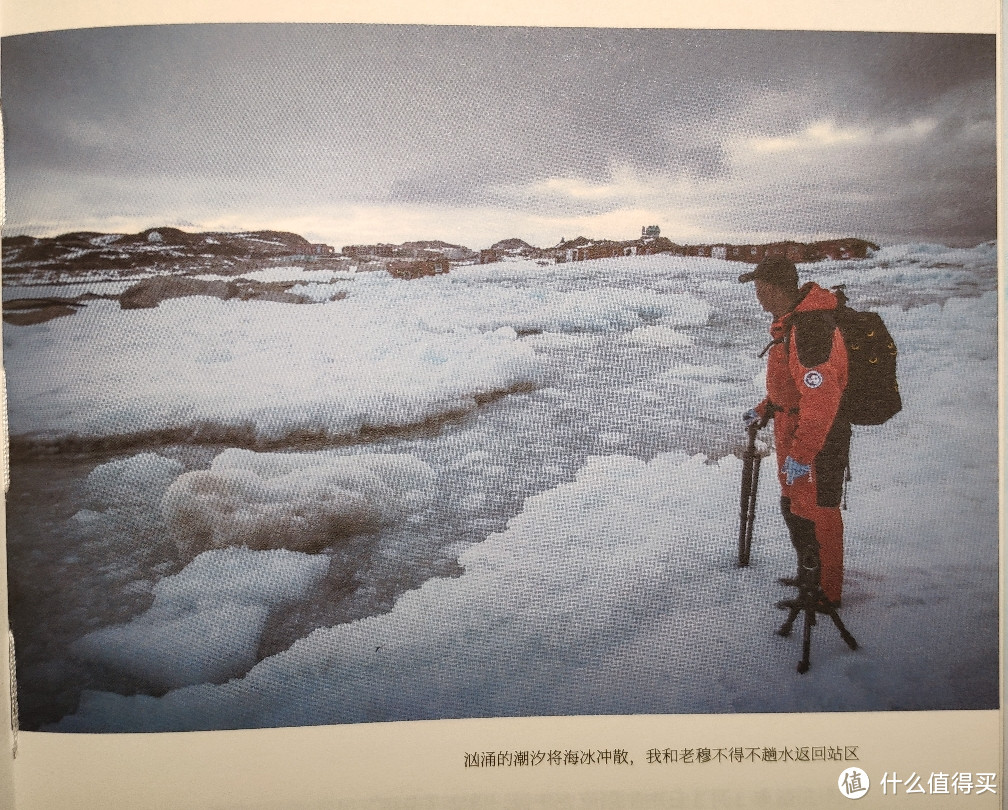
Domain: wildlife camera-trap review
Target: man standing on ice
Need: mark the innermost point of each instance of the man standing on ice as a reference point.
(806, 377)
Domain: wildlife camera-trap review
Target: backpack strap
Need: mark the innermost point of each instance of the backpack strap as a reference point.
(813, 333)
(769, 346)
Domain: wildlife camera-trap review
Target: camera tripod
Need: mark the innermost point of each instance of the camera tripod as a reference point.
(810, 601)
(751, 459)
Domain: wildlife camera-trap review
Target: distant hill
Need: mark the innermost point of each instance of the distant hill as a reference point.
(432, 244)
(514, 246)
(151, 249)
(172, 250)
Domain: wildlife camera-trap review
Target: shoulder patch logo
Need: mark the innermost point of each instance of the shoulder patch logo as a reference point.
(813, 379)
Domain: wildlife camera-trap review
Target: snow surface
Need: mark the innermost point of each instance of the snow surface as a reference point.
(613, 590)
(616, 590)
(113, 373)
(122, 503)
(659, 336)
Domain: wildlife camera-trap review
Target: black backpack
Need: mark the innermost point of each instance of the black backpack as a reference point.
(872, 396)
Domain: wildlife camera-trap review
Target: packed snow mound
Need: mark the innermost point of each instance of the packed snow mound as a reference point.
(122, 503)
(303, 502)
(206, 621)
(128, 483)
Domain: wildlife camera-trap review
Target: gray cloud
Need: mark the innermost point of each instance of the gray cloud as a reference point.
(176, 121)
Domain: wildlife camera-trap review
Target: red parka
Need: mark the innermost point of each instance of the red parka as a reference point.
(806, 375)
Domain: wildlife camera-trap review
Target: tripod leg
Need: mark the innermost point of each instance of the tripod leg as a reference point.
(745, 527)
(804, 664)
(751, 513)
(785, 629)
(747, 505)
(849, 640)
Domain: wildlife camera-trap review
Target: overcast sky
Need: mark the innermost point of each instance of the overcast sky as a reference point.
(349, 134)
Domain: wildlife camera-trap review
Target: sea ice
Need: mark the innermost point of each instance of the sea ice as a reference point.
(618, 592)
(206, 621)
(298, 501)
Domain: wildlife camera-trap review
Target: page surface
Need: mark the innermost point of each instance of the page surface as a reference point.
(468, 758)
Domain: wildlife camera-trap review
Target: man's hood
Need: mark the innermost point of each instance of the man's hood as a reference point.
(811, 298)
(814, 298)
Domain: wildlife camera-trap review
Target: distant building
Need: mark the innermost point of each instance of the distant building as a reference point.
(381, 250)
(564, 251)
(794, 251)
(603, 249)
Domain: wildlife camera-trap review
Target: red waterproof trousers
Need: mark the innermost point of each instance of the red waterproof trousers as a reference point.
(816, 498)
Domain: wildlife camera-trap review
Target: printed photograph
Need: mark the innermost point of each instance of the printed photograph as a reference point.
(369, 373)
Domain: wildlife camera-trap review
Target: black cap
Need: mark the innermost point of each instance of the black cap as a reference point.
(778, 270)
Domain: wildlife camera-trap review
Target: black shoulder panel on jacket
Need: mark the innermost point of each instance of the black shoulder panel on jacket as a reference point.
(813, 337)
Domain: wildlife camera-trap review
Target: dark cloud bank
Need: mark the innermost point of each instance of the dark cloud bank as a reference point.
(735, 132)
